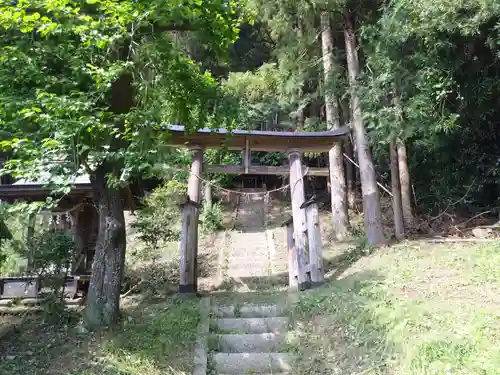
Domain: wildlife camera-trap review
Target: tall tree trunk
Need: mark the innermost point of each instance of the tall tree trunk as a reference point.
(396, 193)
(301, 118)
(103, 299)
(406, 189)
(350, 175)
(350, 168)
(340, 215)
(301, 115)
(371, 195)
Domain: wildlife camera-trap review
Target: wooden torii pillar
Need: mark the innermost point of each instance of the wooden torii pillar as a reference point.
(299, 218)
(189, 227)
(315, 267)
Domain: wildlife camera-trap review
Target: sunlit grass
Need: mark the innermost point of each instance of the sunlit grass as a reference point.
(152, 339)
(415, 308)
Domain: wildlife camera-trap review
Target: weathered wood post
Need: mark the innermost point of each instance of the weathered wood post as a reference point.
(189, 227)
(315, 245)
(207, 194)
(293, 281)
(77, 265)
(299, 216)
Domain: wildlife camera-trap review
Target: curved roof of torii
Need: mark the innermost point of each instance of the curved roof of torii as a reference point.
(257, 140)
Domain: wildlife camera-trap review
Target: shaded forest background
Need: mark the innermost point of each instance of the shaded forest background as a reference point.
(429, 76)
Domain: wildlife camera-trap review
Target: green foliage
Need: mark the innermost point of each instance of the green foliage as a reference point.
(211, 218)
(432, 80)
(259, 93)
(88, 82)
(222, 157)
(50, 252)
(270, 158)
(13, 251)
(158, 220)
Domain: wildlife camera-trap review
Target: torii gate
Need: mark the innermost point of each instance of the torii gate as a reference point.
(302, 230)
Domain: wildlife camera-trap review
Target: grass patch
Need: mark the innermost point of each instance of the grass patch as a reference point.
(213, 343)
(412, 309)
(151, 340)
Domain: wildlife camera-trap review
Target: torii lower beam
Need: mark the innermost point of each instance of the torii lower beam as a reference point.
(263, 170)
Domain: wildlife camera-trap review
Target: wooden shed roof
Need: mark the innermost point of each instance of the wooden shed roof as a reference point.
(38, 192)
(257, 140)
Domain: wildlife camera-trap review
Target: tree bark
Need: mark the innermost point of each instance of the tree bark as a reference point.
(338, 189)
(350, 168)
(371, 195)
(406, 189)
(103, 299)
(396, 193)
(350, 175)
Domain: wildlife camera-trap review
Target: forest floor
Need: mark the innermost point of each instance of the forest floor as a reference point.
(152, 339)
(416, 307)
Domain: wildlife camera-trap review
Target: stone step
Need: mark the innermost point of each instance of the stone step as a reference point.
(263, 262)
(238, 267)
(251, 343)
(245, 254)
(249, 265)
(253, 325)
(249, 245)
(246, 273)
(250, 258)
(248, 363)
(249, 311)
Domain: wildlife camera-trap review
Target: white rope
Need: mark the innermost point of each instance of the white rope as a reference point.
(378, 183)
(60, 213)
(267, 192)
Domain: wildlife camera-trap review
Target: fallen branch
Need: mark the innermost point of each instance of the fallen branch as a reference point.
(438, 240)
(454, 203)
(131, 289)
(378, 183)
(474, 217)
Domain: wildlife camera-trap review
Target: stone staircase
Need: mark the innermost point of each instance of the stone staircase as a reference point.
(250, 339)
(243, 336)
(248, 256)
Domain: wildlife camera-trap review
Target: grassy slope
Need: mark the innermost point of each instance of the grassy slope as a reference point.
(414, 308)
(153, 339)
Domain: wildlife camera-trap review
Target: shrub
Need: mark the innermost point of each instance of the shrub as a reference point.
(158, 220)
(211, 218)
(150, 263)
